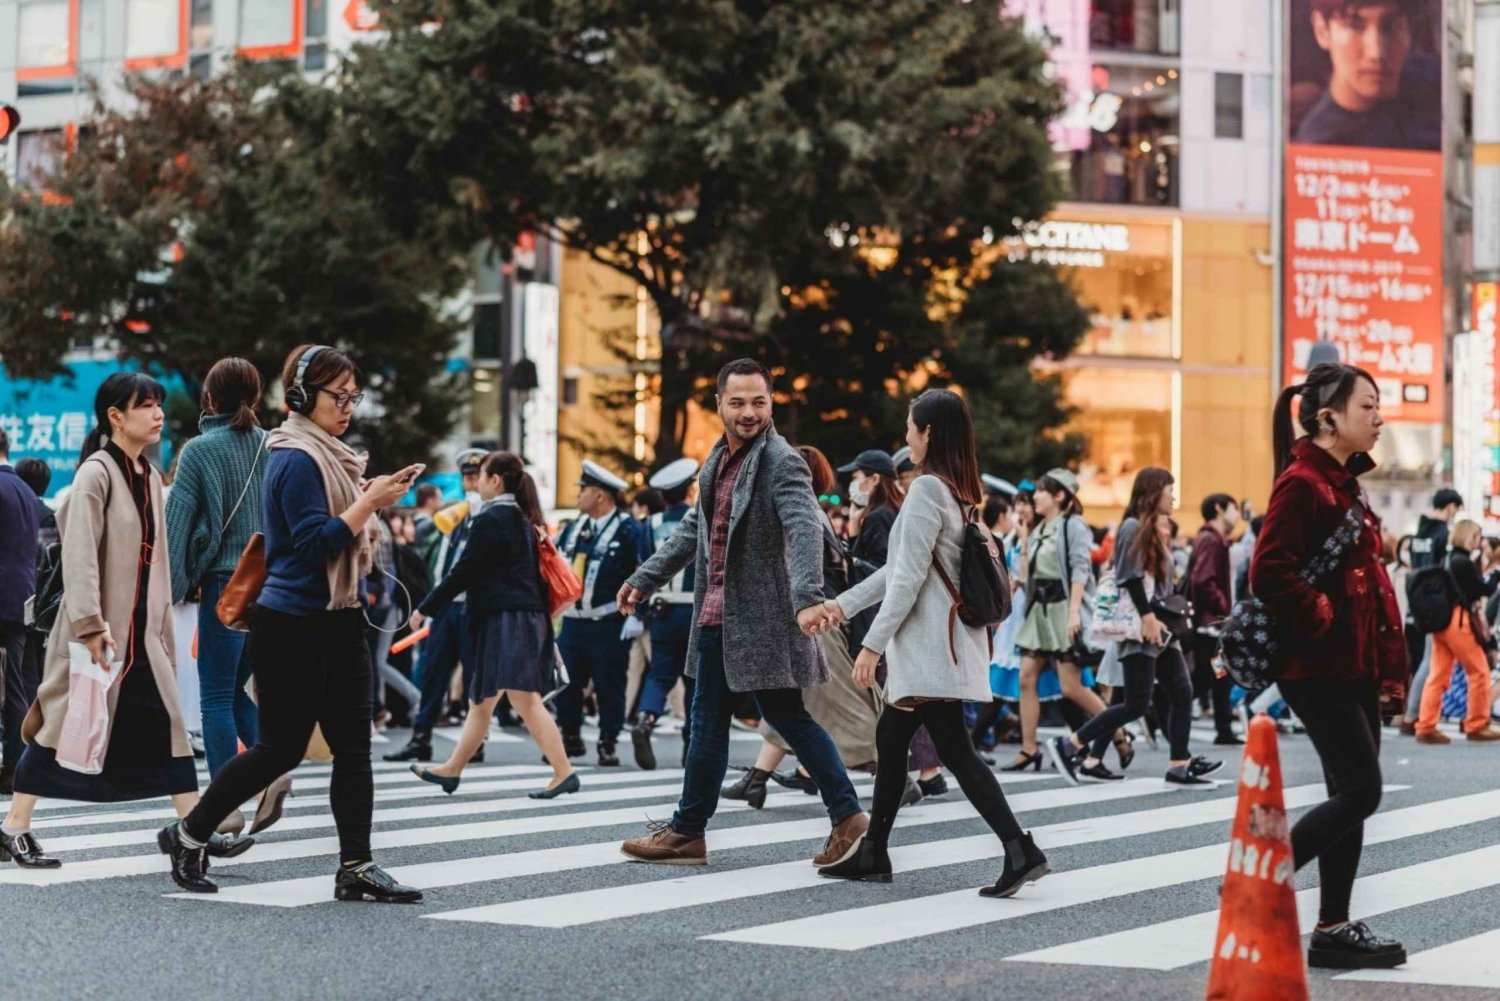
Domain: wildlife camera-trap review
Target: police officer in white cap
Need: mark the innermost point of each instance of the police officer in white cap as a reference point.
(604, 546)
(669, 616)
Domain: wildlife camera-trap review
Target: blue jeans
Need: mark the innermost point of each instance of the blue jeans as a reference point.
(669, 654)
(229, 717)
(442, 651)
(708, 752)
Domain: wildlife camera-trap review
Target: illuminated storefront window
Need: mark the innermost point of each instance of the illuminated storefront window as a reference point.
(1127, 418)
(1130, 154)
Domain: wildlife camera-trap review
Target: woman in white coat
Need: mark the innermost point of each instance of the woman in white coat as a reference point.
(934, 662)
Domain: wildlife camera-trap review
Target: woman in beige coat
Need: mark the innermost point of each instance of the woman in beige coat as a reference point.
(935, 662)
(117, 604)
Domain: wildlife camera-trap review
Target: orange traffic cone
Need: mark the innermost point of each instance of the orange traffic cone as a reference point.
(1258, 951)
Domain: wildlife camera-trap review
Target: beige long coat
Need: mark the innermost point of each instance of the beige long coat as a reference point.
(101, 543)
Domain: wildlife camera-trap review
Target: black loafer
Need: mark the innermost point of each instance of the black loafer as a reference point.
(189, 865)
(645, 757)
(25, 852)
(370, 882)
(795, 780)
(935, 786)
(225, 846)
(1353, 946)
(448, 784)
(416, 749)
(607, 756)
(567, 785)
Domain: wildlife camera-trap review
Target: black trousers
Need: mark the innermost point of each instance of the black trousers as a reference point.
(1201, 650)
(1343, 721)
(945, 724)
(309, 669)
(1142, 672)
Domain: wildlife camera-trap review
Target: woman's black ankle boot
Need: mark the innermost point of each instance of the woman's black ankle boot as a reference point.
(189, 864)
(1024, 863)
(751, 788)
(870, 862)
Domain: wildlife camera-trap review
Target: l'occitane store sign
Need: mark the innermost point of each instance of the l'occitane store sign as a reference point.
(1062, 243)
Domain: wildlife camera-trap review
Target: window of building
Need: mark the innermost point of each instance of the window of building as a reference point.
(1128, 154)
(315, 17)
(1126, 416)
(1229, 106)
(487, 331)
(484, 403)
(271, 29)
(1134, 25)
(38, 154)
(156, 33)
(201, 35)
(47, 45)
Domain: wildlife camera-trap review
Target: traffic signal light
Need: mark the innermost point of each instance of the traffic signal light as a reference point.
(10, 120)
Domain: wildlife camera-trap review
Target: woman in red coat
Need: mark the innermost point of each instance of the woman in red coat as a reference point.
(1343, 644)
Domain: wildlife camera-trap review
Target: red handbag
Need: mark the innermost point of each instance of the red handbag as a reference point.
(562, 584)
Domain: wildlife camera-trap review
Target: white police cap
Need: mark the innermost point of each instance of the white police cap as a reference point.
(996, 485)
(673, 475)
(595, 475)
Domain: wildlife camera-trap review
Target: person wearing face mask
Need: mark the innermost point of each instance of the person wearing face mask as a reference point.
(1343, 649)
(448, 646)
(603, 543)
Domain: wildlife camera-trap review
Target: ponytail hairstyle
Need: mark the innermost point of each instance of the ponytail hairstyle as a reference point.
(122, 391)
(1328, 386)
(1145, 504)
(512, 472)
(951, 455)
(232, 387)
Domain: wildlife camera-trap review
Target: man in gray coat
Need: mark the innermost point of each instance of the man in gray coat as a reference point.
(757, 541)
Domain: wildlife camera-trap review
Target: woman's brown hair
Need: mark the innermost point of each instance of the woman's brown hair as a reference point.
(885, 493)
(325, 368)
(1145, 501)
(512, 472)
(232, 387)
(951, 455)
(823, 480)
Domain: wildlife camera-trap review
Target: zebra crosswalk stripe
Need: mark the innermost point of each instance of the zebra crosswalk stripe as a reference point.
(592, 906)
(1470, 962)
(882, 924)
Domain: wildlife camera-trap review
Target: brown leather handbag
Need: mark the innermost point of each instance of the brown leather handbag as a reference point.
(244, 585)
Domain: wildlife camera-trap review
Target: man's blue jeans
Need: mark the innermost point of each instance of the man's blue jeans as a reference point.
(708, 752)
(669, 654)
(229, 717)
(442, 651)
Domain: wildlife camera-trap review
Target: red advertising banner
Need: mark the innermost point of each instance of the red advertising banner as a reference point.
(1363, 269)
(1362, 223)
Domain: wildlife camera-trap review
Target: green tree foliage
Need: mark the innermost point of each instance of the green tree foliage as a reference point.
(220, 218)
(747, 154)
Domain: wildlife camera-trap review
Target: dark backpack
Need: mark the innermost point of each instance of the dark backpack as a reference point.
(982, 596)
(1431, 598)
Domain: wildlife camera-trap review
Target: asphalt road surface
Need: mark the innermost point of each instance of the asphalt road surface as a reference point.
(532, 899)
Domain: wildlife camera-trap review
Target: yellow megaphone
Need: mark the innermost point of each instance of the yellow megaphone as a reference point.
(451, 517)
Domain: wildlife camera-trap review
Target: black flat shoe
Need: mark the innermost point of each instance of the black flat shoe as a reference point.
(1024, 863)
(607, 756)
(567, 785)
(25, 852)
(869, 863)
(448, 785)
(372, 883)
(795, 780)
(1228, 740)
(640, 740)
(416, 749)
(1353, 946)
(225, 846)
(1023, 761)
(189, 865)
(1124, 747)
(935, 786)
(751, 788)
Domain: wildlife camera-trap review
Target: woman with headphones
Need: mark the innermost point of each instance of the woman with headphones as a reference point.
(307, 645)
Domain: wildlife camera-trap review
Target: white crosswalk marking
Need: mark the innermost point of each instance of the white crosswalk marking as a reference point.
(1470, 962)
(592, 906)
(1169, 945)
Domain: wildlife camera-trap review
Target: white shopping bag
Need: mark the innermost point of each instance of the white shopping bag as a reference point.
(85, 730)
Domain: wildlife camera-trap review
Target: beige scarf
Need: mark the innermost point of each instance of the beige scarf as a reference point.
(341, 468)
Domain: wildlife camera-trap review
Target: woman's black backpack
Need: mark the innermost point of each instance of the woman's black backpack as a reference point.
(1431, 598)
(983, 595)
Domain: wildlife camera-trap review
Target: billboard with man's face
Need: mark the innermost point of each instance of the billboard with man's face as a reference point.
(1363, 202)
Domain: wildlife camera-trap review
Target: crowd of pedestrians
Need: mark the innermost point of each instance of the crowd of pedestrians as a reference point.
(738, 592)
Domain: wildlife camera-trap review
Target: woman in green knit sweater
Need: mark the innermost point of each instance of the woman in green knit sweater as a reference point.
(213, 509)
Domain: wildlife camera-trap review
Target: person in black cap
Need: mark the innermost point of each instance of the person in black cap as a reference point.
(669, 615)
(448, 644)
(906, 470)
(603, 543)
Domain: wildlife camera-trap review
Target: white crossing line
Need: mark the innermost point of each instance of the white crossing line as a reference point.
(1470, 962)
(882, 924)
(494, 736)
(1170, 945)
(489, 868)
(300, 800)
(275, 851)
(451, 808)
(591, 906)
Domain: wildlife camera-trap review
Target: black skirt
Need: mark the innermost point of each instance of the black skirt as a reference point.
(513, 651)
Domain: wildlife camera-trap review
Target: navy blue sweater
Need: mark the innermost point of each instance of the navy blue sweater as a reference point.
(301, 536)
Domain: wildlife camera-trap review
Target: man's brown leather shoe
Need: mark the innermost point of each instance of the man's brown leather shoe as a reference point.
(1432, 737)
(666, 847)
(843, 839)
(1488, 734)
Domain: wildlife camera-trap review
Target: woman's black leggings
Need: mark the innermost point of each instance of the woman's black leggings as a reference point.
(309, 669)
(1141, 672)
(945, 724)
(1343, 722)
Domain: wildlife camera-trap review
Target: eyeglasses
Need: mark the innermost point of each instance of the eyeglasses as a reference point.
(344, 400)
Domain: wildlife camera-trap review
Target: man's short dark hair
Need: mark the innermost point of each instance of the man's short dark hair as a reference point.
(35, 473)
(4, 442)
(1215, 505)
(678, 494)
(743, 366)
(995, 506)
(651, 499)
(1447, 497)
(427, 492)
